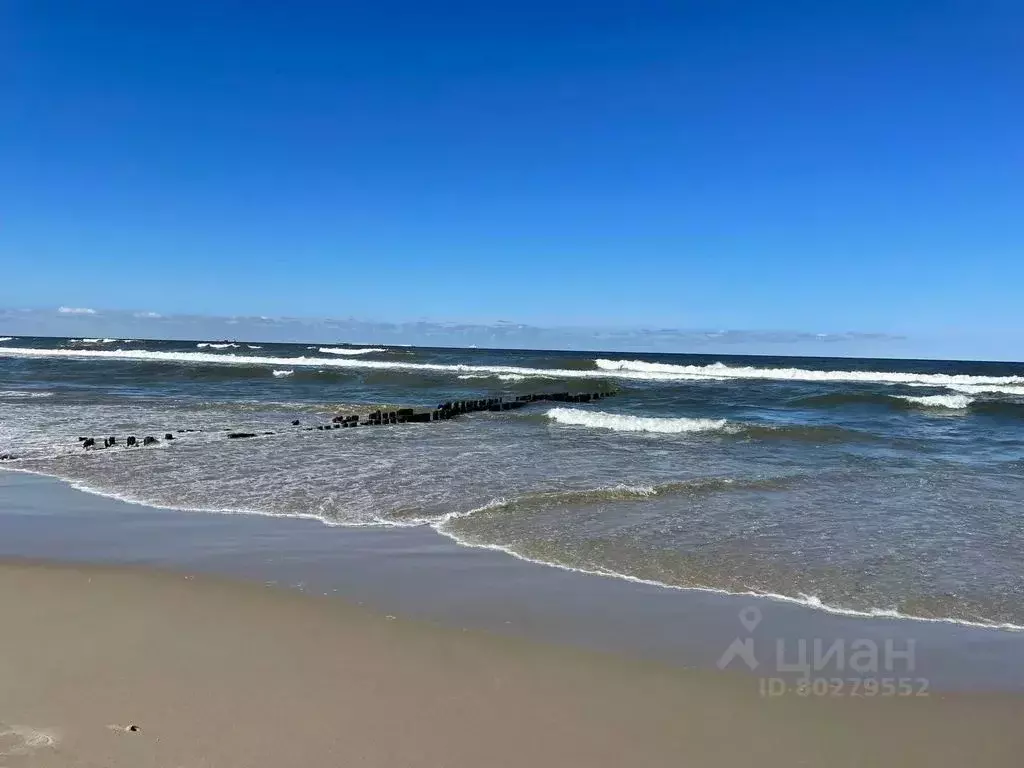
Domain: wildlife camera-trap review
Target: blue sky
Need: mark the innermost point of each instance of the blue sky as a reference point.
(815, 167)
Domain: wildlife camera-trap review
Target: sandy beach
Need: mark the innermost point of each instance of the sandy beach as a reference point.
(215, 672)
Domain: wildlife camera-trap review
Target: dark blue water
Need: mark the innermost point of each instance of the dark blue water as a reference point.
(868, 486)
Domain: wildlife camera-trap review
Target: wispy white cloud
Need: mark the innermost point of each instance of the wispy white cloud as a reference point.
(86, 322)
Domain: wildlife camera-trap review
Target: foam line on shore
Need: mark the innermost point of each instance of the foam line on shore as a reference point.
(806, 601)
(439, 525)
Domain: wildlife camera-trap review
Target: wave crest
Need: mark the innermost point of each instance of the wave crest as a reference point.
(625, 423)
(723, 371)
(953, 402)
(350, 351)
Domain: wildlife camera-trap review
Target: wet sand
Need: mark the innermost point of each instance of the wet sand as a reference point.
(216, 672)
(415, 573)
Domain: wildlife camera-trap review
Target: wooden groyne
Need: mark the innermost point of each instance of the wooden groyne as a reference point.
(376, 418)
(452, 409)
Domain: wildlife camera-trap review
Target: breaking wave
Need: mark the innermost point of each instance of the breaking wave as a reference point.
(282, 374)
(607, 369)
(6, 338)
(350, 351)
(498, 376)
(212, 345)
(987, 389)
(624, 423)
(343, 360)
(939, 401)
(675, 426)
(722, 371)
(899, 402)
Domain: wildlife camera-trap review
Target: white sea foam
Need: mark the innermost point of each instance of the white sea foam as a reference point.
(939, 401)
(6, 338)
(353, 351)
(342, 361)
(94, 341)
(631, 370)
(624, 423)
(722, 371)
(17, 394)
(440, 525)
(499, 376)
(211, 345)
(982, 389)
(254, 346)
(282, 374)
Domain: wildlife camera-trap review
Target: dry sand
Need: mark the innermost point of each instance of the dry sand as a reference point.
(217, 673)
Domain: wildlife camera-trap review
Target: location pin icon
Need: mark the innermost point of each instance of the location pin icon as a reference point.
(750, 617)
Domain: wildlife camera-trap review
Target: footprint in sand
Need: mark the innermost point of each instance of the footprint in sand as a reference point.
(18, 740)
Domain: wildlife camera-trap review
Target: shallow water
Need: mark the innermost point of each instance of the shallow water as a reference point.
(871, 486)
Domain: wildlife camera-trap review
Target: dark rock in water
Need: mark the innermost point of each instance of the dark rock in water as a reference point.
(295, 423)
(7, 457)
(149, 440)
(131, 442)
(237, 435)
(168, 436)
(268, 433)
(405, 411)
(89, 443)
(419, 418)
(112, 440)
(133, 728)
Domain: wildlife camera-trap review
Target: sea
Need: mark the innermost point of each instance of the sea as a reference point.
(864, 487)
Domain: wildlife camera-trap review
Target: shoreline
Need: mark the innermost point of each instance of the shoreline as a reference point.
(418, 574)
(211, 671)
(810, 603)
